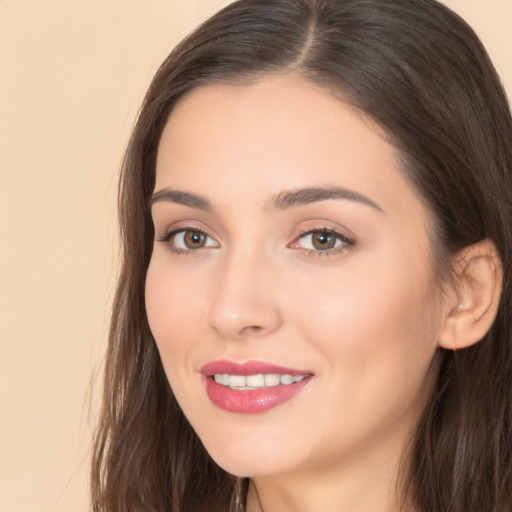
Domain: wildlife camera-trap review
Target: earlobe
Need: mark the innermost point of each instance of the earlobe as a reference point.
(472, 307)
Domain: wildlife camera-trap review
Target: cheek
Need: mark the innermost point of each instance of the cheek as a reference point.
(376, 349)
(358, 300)
(173, 306)
(173, 303)
(376, 331)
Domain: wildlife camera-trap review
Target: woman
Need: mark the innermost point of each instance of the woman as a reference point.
(313, 308)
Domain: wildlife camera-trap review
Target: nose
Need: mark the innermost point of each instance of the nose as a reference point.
(244, 302)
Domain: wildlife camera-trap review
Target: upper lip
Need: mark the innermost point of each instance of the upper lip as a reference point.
(247, 368)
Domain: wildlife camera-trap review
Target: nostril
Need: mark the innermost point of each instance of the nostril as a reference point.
(252, 329)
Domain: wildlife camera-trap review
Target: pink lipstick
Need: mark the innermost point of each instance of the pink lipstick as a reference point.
(253, 386)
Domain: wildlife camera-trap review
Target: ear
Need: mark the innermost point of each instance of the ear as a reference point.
(473, 301)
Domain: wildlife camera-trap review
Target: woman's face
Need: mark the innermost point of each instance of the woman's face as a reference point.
(290, 291)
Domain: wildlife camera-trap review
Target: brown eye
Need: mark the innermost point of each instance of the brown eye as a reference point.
(323, 240)
(194, 239)
(191, 239)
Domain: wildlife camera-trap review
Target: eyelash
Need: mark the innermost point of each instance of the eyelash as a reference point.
(168, 236)
(346, 243)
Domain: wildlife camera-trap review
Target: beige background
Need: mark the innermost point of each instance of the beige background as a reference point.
(72, 74)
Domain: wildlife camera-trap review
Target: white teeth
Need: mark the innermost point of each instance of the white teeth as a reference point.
(256, 381)
(222, 378)
(271, 379)
(286, 379)
(237, 381)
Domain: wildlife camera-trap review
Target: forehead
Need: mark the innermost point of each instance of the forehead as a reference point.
(277, 133)
(278, 102)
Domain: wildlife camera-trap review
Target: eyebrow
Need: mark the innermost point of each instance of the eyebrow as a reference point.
(304, 196)
(180, 197)
(281, 201)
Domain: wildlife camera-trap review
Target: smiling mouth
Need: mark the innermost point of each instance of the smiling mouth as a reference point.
(252, 386)
(258, 381)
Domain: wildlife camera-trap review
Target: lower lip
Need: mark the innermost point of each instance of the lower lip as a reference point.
(252, 401)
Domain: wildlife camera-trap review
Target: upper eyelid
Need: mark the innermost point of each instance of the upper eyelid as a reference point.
(340, 231)
(173, 231)
(174, 227)
(344, 239)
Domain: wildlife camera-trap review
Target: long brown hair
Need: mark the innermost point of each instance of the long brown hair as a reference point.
(421, 73)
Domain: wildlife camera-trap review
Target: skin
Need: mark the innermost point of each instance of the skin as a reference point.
(364, 317)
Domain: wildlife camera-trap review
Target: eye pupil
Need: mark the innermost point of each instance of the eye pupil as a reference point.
(194, 239)
(323, 240)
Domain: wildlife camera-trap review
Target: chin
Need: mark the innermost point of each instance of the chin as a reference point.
(252, 456)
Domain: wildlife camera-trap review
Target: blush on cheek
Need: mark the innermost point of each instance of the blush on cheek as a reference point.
(368, 317)
(170, 303)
